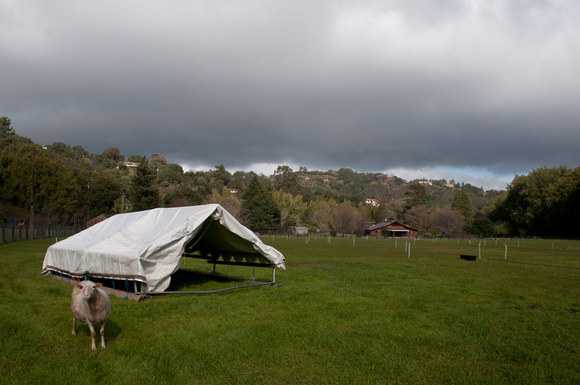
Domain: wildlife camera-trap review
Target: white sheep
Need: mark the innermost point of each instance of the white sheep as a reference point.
(90, 305)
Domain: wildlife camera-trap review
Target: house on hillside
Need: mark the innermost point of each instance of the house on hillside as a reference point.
(124, 165)
(391, 229)
(373, 202)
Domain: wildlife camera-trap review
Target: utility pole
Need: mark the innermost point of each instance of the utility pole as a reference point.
(32, 197)
(88, 198)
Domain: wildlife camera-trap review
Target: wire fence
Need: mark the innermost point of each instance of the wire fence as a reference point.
(9, 233)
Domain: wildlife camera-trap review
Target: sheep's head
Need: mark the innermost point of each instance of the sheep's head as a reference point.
(88, 288)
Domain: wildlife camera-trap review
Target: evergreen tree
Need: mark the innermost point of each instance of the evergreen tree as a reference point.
(5, 127)
(143, 191)
(462, 204)
(259, 206)
(417, 195)
(7, 134)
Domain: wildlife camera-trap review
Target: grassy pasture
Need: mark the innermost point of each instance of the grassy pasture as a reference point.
(362, 313)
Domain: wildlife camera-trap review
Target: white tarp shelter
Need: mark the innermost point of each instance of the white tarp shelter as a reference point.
(147, 246)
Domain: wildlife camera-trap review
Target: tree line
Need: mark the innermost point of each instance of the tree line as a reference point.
(71, 185)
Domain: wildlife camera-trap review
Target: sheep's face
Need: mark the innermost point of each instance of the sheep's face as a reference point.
(88, 289)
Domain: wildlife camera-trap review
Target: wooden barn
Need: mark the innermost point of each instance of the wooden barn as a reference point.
(391, 229)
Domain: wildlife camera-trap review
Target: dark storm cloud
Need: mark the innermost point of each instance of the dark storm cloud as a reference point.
(375, 86)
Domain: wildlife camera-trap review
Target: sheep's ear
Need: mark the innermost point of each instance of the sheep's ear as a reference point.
(98, 285)
(79, 285)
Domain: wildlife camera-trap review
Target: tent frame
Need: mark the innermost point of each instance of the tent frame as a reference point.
(239, 259)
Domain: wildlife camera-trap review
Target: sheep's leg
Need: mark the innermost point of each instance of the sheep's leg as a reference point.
(93, 346)
(74, 332)
(103, 334)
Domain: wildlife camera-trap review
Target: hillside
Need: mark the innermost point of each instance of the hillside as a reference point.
(70, 185)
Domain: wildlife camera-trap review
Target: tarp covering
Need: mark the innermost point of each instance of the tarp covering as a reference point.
(147, 246)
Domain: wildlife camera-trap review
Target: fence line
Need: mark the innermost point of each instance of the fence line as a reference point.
(10, 233)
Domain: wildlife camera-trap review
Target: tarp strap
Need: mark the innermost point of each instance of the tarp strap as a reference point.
(201, 236)
(126, 288)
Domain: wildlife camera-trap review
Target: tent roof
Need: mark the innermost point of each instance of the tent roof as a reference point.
(147, 246)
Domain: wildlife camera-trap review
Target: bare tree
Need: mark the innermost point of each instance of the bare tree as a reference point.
(389, 191)
(179, 202)
(418, 217)
(284, 214)
(447, 221)
(348, 219)
(321, 219)
(157, 160)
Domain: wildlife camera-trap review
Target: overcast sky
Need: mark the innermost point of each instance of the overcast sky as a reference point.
(475, 90)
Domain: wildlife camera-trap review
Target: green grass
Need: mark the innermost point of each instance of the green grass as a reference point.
(344, 314)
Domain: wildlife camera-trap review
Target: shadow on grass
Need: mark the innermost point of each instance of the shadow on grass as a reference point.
(183, 279)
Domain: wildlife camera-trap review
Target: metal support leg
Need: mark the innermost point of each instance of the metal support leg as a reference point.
(274, 275)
